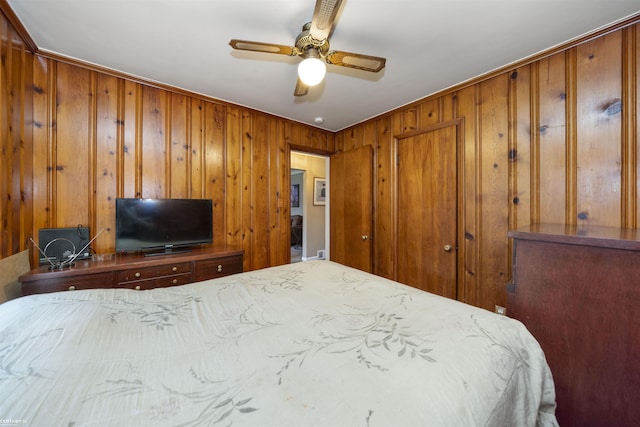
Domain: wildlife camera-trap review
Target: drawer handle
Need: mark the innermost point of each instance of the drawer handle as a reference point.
(137, 274)
(219, 268)
(174, 281)
(137, 287)
(174, 268)
(72, 288)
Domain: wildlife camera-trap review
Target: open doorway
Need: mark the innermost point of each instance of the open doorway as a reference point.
(309, 206)
(297, 201)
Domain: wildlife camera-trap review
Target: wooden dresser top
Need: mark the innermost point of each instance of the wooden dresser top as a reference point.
(586, 235)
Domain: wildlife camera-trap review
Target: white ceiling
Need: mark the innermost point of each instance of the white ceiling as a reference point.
(429, 45)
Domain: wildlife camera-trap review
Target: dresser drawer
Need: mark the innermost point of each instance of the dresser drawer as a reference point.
(68, 283)
(210, 269)
(144, 273)
(157, 282)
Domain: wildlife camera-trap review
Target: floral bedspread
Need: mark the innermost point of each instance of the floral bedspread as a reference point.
(306, 344)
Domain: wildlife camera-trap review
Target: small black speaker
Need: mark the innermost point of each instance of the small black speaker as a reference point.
(59, 244)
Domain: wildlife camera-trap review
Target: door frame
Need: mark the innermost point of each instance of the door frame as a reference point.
(460, 201)
(327, 220)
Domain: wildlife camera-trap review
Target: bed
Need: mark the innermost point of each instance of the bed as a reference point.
(306, 344)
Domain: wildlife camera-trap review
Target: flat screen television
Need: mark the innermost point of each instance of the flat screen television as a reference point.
(162, 226)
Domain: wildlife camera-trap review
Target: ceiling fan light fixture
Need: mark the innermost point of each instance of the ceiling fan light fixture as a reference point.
(312, 45)
(312, 69)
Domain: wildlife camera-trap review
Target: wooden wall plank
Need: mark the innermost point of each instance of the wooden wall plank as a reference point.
(630, 182)
(214, 164)
(318, 139)
(520, 157)
(396, 126)
(106, 162)
(25, 107)
(179, 174)
(469, 284)
(154, 171)
(353, 138)
(294, 134)
(41, 160)
(73, 160)
(429, 113)
(494, 188)
(275, 187)
(550, 137)
(248, 178)
(598, 130)
(16, 95)
(339, 142)
(194, 148)
(6, 152)
(384, 202)
(282, 251)
(409, 117)
(633, 80)
(446, 105)
(519, 147)
(130, 182)
(234, 215)
(571, 201)
(261, 196)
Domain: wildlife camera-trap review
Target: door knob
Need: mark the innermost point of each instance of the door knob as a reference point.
(447, 248)
(364, 237)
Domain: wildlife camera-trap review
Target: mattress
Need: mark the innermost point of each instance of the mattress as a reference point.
(306, 344)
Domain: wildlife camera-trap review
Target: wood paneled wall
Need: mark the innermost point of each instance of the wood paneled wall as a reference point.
(75, 138)
(555, 140)
(16, 169)
(98, 137)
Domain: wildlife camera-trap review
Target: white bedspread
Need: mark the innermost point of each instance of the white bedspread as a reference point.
(307, 344)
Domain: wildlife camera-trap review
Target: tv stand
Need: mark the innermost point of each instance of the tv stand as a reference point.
(168, 251)
(136, 271)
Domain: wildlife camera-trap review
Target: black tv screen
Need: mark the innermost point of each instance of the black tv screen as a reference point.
(162, 225)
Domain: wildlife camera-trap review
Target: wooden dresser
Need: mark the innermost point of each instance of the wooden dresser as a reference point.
(136, 271)
(577, 289)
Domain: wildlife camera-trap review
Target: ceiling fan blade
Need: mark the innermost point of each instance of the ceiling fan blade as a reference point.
(262, 47)
(324, 15)
(356, 60)
(301, 88)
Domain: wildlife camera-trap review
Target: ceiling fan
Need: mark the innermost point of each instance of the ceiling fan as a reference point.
(312, 44)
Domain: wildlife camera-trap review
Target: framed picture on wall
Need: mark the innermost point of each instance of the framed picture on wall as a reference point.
(295, 195)
(319, 191)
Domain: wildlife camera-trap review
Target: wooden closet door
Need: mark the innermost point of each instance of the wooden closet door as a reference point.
(427, 210)
(351, 204)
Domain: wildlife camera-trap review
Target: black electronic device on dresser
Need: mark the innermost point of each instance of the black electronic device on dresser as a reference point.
(58, 245)
(162, 226)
